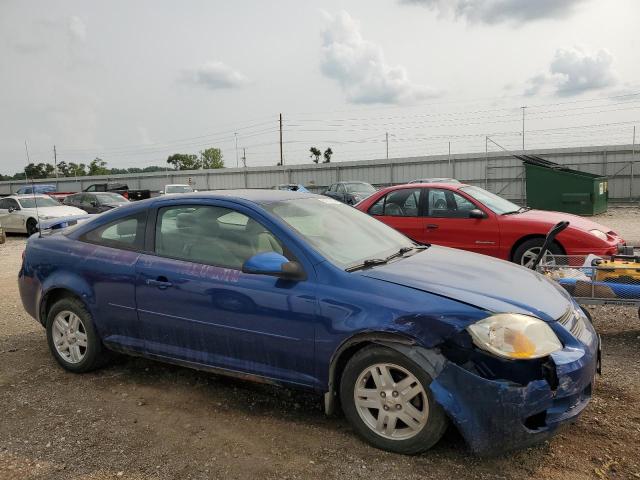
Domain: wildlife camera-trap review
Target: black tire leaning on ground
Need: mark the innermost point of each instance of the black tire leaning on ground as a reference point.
(95, 354)
(554, 248)
(436, 422)
(32, 226)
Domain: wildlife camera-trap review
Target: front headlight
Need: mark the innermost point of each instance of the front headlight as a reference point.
(515, 336)
(600, 234)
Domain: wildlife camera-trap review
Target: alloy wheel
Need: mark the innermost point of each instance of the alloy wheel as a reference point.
(529, 256)
(69, 336)
(391, 401)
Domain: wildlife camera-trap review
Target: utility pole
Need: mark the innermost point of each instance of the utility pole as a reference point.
(55, 161)
(633, 159)
(387, 140)
(236, 137)
(523, 109)
(450, 160)
(486, 161)
(281, 155)
(244, 157)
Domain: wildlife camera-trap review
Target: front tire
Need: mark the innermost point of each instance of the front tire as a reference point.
(72, 337)
(527, 252)
(32, 226)
(386, 398)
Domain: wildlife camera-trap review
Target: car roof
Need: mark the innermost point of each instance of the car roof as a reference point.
(450, 186)
(27, 195)
(257, 196)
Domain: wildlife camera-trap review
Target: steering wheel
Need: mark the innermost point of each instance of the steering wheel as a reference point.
(440, 204)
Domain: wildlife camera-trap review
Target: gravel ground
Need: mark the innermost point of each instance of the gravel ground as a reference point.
(139, 419)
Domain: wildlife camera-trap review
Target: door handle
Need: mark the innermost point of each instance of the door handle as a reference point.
(431, 226)
(160, 282)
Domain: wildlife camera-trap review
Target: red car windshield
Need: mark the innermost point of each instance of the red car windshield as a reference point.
(492, 201)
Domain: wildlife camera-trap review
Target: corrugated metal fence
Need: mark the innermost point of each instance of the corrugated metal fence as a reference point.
(497, 171)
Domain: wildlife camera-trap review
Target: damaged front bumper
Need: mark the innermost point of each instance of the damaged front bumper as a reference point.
(496, 416)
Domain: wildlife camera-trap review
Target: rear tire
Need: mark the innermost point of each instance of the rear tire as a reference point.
(525, 254)
(72, 338)
(411, 422)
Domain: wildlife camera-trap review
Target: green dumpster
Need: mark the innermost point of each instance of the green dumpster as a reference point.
(551, 186)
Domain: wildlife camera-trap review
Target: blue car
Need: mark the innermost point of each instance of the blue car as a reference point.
(302, 291)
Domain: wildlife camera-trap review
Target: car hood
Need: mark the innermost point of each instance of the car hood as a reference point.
(55, 212)
(484, 282)
(551, 218)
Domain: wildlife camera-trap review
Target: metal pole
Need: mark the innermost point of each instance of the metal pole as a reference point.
(486, 161)
(450, 172)
(281, 155)
(633, 157)
(387, 140)
(55, 161)
(236, 137)
(523, 108)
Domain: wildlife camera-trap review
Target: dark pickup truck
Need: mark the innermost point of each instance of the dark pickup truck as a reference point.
(121, 188)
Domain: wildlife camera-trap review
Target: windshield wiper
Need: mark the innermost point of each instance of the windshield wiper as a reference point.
(372, 262)
(520, 210)
(369, 262)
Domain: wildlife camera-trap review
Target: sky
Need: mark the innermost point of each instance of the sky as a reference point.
(135, 81)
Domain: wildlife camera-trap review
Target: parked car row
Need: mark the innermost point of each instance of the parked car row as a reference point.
(304, 291)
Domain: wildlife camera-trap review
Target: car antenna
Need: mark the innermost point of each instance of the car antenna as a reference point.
(33, 190)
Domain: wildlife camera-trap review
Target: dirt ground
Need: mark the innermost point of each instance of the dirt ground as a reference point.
(139, 419)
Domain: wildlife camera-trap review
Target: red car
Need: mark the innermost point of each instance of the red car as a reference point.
(471, 218)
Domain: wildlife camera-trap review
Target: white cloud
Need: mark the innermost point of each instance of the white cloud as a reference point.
(77, 29)
(216, 75)
(360, 68)
(500, 11)
(573, 71)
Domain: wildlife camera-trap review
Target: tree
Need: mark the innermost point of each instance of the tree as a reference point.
(153, 168)
(63, 169)
(211, 158)
(98, 167)
(184, 161)
(315, 153)
(41, 170)
(77, 169)
(327, 155)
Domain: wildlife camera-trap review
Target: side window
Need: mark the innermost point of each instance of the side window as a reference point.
(211, 235)
(86, 199)
(332, 188)
(4, 204)
(125, 233)
(341, 188)
(91, 188)
(399, 203)
(11, 203)
(448, 204)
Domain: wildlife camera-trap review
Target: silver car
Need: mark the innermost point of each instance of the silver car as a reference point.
(18, 212)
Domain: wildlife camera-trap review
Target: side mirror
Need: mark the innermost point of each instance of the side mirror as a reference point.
(477, 213)
(12, 209)
(274, 264)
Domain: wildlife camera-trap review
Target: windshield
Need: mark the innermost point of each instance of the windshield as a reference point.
(42, 202)
(178, 189)
(495, 203)
(339, 232)
(359, 187)
(110, 198)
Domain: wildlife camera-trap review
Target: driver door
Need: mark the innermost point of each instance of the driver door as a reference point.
(195, 304)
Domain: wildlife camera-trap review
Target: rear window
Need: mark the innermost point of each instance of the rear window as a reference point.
(125, 233)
